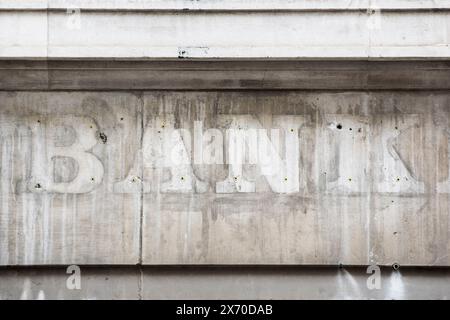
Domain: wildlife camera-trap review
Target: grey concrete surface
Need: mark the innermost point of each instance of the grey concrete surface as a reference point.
(361, 174)
(57, 202)
(373, 190)
(263, 282)
(215, 29)
(358, 178)
(49, 283)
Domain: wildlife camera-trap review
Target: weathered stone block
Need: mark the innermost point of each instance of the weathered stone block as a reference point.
(61, 154)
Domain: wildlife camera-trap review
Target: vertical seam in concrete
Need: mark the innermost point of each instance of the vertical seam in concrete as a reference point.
(141, 217)
(47, 47)
(369, 31)
(371, 259)
(140, 282)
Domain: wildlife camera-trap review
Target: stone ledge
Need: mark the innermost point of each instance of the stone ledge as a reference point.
(227, 75)
(236, 5)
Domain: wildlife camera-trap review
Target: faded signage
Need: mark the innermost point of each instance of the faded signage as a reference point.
(225, 177)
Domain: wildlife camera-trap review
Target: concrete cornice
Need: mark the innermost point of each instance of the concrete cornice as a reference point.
(240, 29)
(224, 5)
(224, 75)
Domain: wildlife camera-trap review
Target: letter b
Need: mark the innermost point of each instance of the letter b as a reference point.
(68, 137)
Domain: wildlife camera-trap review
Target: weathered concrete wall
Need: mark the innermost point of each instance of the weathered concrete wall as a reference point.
(228, 283)
(57, 202)
(361, 175)
(107, 178)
